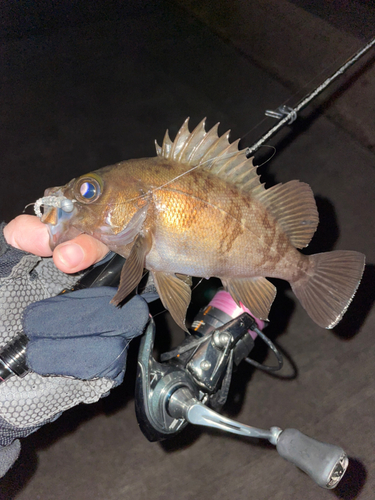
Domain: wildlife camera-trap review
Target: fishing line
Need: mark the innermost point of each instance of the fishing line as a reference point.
(159, 313)
(286, 119)
(196, 286)
(142, 196)
(137, 287)
(270, 158)
(308, 98)
(151, 191)
(299, 91)
(97, 375)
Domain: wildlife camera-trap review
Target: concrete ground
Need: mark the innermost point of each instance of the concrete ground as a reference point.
(87, 86)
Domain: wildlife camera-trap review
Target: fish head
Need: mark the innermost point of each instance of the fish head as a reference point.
(101, 203)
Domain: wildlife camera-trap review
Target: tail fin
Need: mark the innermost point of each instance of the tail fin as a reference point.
(328, 289)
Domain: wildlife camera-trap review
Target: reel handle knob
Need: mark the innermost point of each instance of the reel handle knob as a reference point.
(324, 463)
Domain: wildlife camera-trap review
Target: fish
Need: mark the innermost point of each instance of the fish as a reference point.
(199, 209)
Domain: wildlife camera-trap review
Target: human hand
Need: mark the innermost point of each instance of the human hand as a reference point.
(84, 342)
(28, 233)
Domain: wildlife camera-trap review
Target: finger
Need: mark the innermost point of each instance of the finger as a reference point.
(79, 253)
(27, 233)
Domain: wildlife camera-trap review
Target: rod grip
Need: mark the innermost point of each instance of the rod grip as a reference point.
(324, 463)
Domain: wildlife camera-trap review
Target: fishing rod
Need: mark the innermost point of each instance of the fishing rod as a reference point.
(287, 115)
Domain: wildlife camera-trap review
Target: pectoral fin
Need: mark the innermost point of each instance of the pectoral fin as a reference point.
(175, 294)
(132, 271)
(116, 240)
(257, 294)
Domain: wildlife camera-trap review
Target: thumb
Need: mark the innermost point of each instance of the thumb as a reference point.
(79, 253)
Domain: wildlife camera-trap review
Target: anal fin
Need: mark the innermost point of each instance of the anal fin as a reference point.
(175, 294)
(132, 271)
(257, 294)
(187, 279)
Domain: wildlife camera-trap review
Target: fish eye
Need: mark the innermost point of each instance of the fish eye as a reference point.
(87, 190)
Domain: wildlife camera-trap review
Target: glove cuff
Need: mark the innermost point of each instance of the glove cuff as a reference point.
(8, 455)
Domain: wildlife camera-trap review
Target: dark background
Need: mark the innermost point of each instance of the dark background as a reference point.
(86, 84)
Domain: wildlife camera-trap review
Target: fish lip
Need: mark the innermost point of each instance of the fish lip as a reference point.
(61, 235)
(62, 230)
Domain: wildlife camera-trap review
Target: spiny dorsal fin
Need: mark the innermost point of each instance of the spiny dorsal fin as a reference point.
(292, 204)
(211, 152)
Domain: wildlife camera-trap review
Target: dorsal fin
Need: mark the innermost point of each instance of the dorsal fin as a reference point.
(291, 204)
(211, 152)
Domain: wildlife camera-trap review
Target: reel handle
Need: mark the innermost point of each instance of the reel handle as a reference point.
(324, 463)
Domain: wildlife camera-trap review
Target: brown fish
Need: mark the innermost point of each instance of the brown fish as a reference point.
(198, 209)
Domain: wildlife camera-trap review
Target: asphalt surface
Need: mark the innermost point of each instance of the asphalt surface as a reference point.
(88, 87)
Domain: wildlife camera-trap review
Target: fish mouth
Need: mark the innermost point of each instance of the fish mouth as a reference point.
(58, 215)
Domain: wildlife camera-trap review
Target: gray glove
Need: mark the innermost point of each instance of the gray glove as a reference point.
(79, 336)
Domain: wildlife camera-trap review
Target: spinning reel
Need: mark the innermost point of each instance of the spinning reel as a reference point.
(191, 383)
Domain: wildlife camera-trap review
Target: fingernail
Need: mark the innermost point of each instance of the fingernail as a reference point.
(70, 254)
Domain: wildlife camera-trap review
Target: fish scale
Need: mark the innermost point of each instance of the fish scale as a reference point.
(224, 228)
